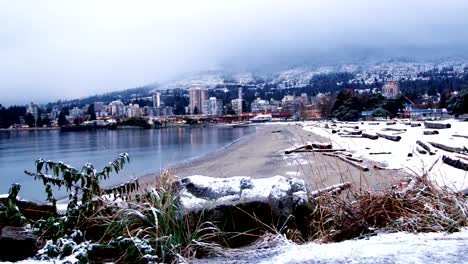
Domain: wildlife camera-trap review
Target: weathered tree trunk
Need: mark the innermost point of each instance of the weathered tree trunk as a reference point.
(462, 136)
(455, 163)
(389, 137)
(437, 125)
(351, 132)
(355, 127)
(391, 123)
(415, 124)
(425, 147)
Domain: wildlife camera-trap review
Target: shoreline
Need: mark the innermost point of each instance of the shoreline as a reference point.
(261, 154)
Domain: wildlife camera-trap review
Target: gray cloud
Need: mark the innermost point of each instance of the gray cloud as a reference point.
(62, 49)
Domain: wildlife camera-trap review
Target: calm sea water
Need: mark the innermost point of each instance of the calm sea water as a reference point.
(149, 150)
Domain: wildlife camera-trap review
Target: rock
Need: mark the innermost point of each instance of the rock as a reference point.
(244, 206)
(31, 210)
(17, 243)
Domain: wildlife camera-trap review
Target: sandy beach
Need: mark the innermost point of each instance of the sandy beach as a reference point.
(262, 155)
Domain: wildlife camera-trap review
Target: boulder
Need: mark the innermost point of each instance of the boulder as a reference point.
(17, 243)
(244, 206)
(31, 210)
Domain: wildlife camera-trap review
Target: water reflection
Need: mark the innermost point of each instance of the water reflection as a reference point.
(150, 150)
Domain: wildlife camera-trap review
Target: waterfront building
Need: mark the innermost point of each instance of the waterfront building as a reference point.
(32, 109)
(236, 105)
(133, 110)
(117, 108)
(198, 96)
(76, 112)
(390, 89)
(260, 106)
(239, 96)
(213, 106)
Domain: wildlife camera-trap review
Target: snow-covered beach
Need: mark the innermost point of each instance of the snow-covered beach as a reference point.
(398, 158)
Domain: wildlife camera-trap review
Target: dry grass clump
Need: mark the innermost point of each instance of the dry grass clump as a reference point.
(422, 206)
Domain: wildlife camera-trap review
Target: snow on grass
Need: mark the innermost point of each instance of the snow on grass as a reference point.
(384, 248)
(398, 159)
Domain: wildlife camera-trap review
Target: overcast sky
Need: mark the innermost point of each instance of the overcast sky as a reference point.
(68, 49)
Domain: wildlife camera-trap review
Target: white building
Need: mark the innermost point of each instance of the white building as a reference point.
(213, 106)
(133, 110)
(236, 105)
(117, 108)
(157, 100)
(32, 109)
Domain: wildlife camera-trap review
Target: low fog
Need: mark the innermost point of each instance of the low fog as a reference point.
(62, 49)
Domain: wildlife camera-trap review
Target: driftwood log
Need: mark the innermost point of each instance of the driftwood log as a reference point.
(430, 132)
(389, 137)
(421, 150)
(459, 164)
(462, 136)
(331, 190)
(373, 123)
(320, 145)
(380, 153)
(349, 161)
(354, 127)
(415, 124)
(316, 150)
(349, 136)
(437, 125)
(425, 147)
(391, 123)
(447, 148)
(352, 132)
(462, 157)
(370, 136)
(393, 129)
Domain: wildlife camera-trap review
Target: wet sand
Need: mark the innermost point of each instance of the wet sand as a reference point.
(262, 155)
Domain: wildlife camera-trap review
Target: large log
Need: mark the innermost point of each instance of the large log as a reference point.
(425, 147)
(380, 153)
(415, 124)
(349, 136)
(391, 123)
(320, 145)
(437, 125)
(459, 164)
(462, 157)
(370, 136)
(373, 123)
(447, 148)
(389, 137)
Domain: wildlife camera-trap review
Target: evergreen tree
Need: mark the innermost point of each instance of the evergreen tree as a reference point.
(39, 122)
(62, 120)
(30, 120)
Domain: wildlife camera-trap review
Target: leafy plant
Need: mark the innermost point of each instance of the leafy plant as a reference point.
(9, 213)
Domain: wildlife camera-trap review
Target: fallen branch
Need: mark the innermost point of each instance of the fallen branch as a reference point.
(455, 163)
(389, 137)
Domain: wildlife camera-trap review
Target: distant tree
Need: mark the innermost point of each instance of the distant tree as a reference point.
(30, 120)
(77, 121)
(62, 120)
(458, 104)
(380, 112)
(91, 112)
(195, 110)
(39, 122)
(46, 121)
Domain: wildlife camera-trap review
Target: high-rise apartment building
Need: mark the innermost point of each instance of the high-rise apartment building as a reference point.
(157, 100)
(198, 96)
